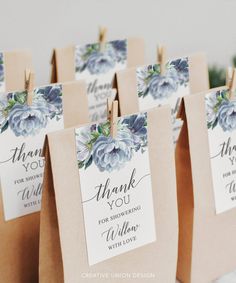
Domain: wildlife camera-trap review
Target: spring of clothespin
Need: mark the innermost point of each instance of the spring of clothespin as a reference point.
(29, 85)
(231, 81)
(112, 114)
(102, 38)
(161, 58)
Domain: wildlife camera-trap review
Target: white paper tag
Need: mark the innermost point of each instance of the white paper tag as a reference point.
(22, 132)
(116, 187)
(98, 69)
(153, 89)
(221, 122)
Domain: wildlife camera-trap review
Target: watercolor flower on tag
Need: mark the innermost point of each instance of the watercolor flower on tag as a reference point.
(89, 57)
(95, 145)
(27, 120)
(221, 111)
(1, 68)
(151, 82)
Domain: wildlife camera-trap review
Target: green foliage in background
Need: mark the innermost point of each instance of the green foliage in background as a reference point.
(217, 74)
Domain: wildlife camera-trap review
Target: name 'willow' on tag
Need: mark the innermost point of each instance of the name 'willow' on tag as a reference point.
(116, 187)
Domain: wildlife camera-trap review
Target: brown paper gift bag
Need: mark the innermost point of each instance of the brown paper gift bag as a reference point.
(127, 83)
(63, 60)
(63, 252)
(14, 65)
(206, 239)
(97, 63)
(20, 237)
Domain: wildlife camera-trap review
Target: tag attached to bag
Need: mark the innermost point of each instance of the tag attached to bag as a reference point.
(22, 131)
(116, 222)
(23, 128)
(97, 64)
(156, 89)
(222, 146)
(117, 200)
(97, 67)
(160, 84)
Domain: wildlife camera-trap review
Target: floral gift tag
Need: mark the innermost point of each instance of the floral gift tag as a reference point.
(98, 69)
(155, 89)
(2, 78)
(116, 187)
(22, 132)
(221, 123)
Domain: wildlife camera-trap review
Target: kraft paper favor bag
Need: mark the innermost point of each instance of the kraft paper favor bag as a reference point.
(205, 160)
(109, 206)
(22, 132)
(148, 87)
(12, 67)
(97, 66)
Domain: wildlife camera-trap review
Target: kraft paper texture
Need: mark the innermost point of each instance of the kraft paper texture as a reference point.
(15, 63)
(206, 240)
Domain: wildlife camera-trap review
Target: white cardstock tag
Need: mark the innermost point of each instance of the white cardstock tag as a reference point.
(22, 132)
(116, 187)
(154, 89)
(221, 123)
(98, 69)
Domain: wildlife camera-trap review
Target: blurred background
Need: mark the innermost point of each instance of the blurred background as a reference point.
(184, 26)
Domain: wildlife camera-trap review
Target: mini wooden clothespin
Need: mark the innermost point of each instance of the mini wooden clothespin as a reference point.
(161, 58)
(29, 85)
(102, 38)
(112, 114)
(231, 82)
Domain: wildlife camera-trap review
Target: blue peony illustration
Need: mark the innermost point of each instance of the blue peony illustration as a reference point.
(90, 58)
(100, 63)
(220, 110)
(27, 120)
(163, 86)
(52, 95)
(120, 47)
(95, 145)
(137, 125)
(110, 154)
(182, 70)
(227, 115)
(151, 82)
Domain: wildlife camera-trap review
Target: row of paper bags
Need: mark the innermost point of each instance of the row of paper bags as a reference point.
(100, 177)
